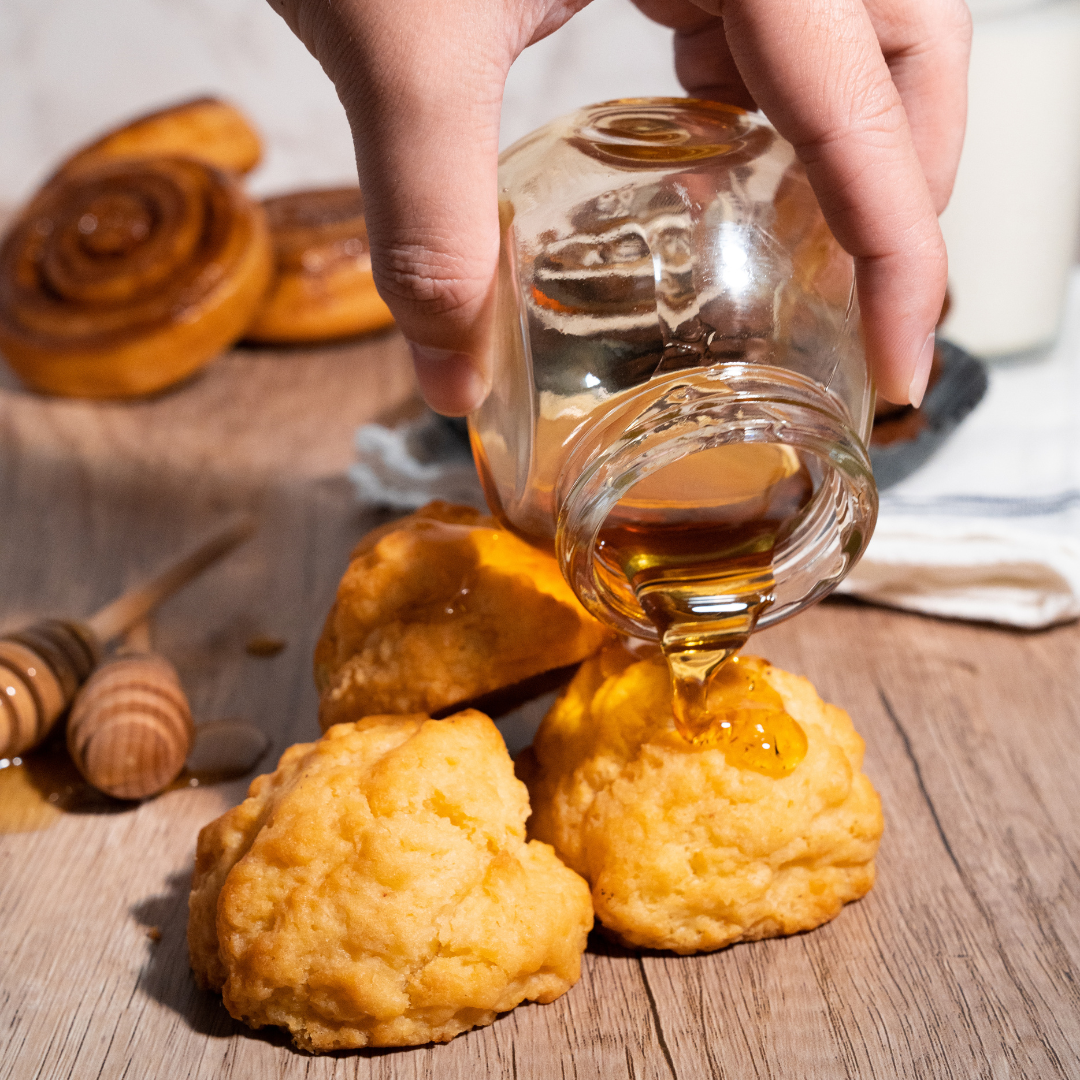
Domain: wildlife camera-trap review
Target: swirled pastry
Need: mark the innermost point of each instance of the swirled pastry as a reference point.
(440, 608)
(322, 287)
(127, 276)
(684, 849)
(205, 129)
(377, 890)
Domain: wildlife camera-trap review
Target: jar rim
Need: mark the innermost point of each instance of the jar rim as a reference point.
(693, 411)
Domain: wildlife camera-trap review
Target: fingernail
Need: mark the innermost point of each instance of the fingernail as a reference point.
(921, 374)
(450, 381)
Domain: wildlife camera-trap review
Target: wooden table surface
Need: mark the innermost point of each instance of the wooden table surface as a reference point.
(962, 962)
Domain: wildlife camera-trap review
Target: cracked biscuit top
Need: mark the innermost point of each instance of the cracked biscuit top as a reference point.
(377, 889)
(439, 609)
(684, 847)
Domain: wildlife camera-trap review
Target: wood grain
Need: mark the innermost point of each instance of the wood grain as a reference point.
(962, 962)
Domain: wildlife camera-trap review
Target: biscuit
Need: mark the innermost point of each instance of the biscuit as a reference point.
(683, 850)
(377, 889)
(323, 286)
(441, 608)
(205, 129)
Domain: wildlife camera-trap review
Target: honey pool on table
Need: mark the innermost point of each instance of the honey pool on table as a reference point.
(39, 787)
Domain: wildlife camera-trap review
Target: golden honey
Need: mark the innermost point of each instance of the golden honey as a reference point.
(695, 543)
(742, 714)
(39, 788)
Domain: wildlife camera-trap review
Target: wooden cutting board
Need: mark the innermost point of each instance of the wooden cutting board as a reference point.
(962, 962)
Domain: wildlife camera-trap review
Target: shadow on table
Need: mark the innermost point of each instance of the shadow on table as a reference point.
(167, 977)
(600, 944)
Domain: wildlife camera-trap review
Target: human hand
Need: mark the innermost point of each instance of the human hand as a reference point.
(422, 82)
(872, 94)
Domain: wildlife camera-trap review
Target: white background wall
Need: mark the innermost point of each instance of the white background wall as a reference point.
(72, 68)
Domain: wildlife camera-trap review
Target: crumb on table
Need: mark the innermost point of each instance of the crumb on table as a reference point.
(264, 645)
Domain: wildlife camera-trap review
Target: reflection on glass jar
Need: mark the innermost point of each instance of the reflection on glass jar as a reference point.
(680, 400)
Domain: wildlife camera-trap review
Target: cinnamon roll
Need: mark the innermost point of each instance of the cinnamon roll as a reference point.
(323, 286)
(205, 129)
(127, 276)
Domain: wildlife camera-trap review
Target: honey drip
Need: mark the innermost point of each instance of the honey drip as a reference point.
(695, 543)
(741, 713)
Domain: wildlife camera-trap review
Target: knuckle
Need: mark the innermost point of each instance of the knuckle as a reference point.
(873, 118)
(862, 104)
(427, 276)
(920, 17)
(876, 113)
(934, 33)
(951, 18)
(867, 99)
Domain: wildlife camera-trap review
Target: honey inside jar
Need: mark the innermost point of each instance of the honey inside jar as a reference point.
(695, 543)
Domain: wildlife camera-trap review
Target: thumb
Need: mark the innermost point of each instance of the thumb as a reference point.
(422, 87)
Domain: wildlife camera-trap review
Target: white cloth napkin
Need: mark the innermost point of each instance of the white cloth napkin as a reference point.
(407, 466)
(989, 528)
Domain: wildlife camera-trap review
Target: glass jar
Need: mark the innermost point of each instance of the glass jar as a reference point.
(680, 402)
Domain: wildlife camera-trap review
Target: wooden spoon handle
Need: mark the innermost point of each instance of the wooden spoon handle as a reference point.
(123, 613)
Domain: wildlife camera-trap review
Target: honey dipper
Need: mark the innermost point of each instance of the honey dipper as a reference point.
(130, 727)
(43, 666)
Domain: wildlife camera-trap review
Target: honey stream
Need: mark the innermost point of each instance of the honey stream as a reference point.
(695, 542)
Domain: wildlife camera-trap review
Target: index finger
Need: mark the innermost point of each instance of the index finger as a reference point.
(817, 71)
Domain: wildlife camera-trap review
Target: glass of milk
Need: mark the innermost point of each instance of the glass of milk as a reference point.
(1012, 225)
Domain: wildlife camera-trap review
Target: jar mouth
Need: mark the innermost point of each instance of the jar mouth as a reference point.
(693, 411)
